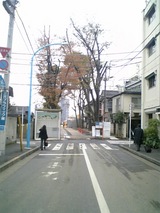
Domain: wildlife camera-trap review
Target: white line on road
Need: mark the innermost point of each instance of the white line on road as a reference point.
(49, 154)
(108, 147)
(105, 146)
(57, 146)
(94, 146)
(70, 146)
(99, 195)
(82, 146)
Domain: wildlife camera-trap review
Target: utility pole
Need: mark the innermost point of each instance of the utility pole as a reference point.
(131, 106)
(10, 6)
(105, 92)
(105, 87)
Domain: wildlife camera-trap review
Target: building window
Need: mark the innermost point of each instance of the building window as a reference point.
(137, 102)
(117, 104)
(151, 48)
(150, 116)
(152, 81)
(151, 15)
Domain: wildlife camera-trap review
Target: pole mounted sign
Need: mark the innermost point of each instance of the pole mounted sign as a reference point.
(3, 103)
(3, 66)
(4, 51)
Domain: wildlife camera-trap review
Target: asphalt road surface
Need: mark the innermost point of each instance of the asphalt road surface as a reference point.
(78, 176)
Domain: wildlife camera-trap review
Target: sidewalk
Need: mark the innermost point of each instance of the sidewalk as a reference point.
(13, 153)
(153, 157)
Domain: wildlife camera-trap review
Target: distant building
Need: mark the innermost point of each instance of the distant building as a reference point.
(151, 63)
(18, 110)
(106, 104)
(64, 104)
(129, 97)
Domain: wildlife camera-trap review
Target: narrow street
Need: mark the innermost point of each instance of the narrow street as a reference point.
(81, 176)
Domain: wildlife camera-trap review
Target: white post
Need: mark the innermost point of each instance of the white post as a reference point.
(130, 121)
(22, 122)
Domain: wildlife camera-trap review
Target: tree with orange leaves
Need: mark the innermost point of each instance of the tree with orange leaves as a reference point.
(58, 78)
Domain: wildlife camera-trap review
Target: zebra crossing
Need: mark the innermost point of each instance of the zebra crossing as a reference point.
(71, 146)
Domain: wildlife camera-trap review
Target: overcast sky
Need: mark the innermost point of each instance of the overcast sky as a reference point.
(122, 21)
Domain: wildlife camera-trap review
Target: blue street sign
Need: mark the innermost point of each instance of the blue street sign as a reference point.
(3, 108)
(2, 83)
(3, 64)
(1, 127)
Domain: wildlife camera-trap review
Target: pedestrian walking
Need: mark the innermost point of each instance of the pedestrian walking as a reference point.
(138, 136)
(43, 136)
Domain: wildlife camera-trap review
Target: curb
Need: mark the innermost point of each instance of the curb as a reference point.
(152, 160)
(18, 158)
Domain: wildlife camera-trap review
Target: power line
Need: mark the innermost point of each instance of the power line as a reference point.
(22, 35)
(138, 62)
(25, 30)
(125, 64)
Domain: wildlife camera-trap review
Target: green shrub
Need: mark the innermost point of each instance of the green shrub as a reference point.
(151, 134)
(119, 117)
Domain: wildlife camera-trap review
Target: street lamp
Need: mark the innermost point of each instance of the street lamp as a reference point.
(30, 91)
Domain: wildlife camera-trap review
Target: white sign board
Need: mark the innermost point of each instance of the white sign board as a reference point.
(93, 131)
(51, 119)
(106, 129)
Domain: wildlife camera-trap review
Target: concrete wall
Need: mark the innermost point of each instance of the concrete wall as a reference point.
(11, 130)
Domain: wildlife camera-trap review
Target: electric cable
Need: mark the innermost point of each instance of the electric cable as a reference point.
(25, 30)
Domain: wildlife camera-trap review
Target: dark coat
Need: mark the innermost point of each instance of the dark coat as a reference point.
(43, 133)
(138, 135)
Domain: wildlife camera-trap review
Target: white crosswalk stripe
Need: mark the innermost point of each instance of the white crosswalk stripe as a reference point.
(82, 146)
(57, 146)
(71, 146)
(94, 146)
(106, 146)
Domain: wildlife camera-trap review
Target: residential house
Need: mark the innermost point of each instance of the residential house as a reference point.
(105, 107)
(127, 101)
(106, 104)
(151, 62)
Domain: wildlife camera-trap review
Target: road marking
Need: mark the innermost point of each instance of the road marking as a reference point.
(108, 147)
(49, 154)
(48, 174)
(98, 192)
(70, 146)
(94, 146)
(105, 146)
(82, 146)
(57, 146)
(116, 142)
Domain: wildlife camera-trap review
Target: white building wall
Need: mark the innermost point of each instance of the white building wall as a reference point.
(151, 64)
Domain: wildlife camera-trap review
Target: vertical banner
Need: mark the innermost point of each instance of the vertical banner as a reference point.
(3, 108)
